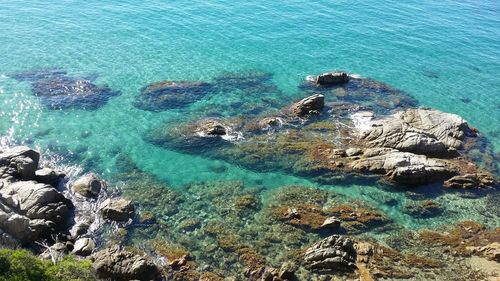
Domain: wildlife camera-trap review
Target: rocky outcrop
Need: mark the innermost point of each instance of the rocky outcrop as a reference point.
(309, 105)
(468, 181)
(419, 131)
(20, 162)
(332, 78)
(367, 130)
(402, 167)
(49, 176)
(117, 209)
(84, 246)
(335, 253)
(117, 264)
(28, 210)
(88, 185)
(212, 128)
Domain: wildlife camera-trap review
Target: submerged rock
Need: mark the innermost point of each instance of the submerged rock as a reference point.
(335, 253)
(424, 209)
(490, 251)
(39, 74)
(171, 94)
(117, 264)
(68, 92)
(117, 209)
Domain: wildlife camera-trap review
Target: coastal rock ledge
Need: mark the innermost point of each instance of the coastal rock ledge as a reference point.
(29, 210)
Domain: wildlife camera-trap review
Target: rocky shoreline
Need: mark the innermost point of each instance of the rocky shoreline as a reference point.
(36, 214)
(228, 231)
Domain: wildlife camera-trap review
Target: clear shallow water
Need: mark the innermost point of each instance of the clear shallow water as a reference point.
(445, 54)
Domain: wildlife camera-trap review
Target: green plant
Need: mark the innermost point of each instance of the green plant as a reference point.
(22, 265)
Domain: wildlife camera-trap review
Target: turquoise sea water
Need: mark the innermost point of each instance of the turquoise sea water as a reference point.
(446, 54)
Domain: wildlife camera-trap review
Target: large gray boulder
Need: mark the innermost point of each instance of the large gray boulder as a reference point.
(116, 264)
(334, 253)
(30, 210)
(420, 131)
(402, 167)
(84, 246)
(48, 176)
(20, 162)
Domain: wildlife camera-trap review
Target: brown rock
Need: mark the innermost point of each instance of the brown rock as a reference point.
(309, 105)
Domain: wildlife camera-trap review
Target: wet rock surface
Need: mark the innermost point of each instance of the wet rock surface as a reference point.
(117, 264)
(469, 181)
(88, 185)
(309, 105)
(332, 78)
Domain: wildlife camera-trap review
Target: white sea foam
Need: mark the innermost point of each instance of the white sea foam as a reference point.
(362, 120)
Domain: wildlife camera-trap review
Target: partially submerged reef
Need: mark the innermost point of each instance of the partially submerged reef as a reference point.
(368, 130)
(165, 95)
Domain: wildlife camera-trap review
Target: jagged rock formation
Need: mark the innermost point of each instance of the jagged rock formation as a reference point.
(335, 253)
